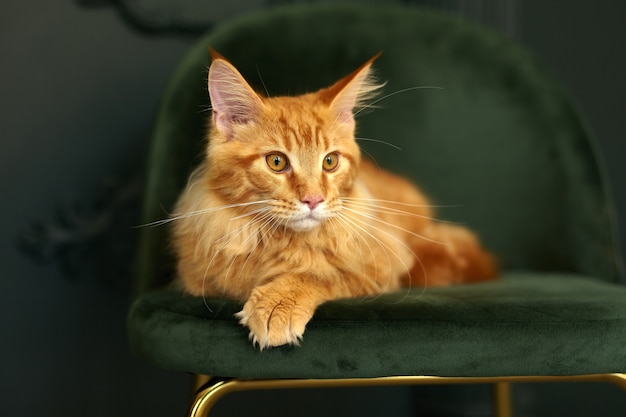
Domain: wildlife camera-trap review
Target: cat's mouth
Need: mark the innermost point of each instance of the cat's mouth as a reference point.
(306, 222)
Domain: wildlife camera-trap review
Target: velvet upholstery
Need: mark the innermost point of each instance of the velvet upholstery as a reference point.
(524, 324)
(500, 146)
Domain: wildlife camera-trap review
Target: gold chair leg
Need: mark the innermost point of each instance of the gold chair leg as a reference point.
(502, 399)
(617, 379)
(208, 392)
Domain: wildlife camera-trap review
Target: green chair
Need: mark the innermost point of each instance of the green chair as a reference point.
(501, 147)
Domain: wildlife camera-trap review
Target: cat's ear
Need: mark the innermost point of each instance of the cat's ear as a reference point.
(352, 92)
(232, 99)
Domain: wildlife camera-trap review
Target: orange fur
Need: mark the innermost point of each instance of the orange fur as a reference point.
(284, 242)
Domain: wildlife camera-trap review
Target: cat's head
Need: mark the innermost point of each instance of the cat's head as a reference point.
(296, 153)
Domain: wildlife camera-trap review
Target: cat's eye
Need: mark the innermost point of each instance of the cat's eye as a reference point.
(331, 162)
(277, 161)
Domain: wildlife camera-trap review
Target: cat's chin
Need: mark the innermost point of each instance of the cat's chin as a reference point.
(304, 225)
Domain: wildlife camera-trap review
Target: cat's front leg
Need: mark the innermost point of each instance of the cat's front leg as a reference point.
(277, 312)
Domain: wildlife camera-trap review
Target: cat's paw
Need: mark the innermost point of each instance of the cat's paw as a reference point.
(273, 319)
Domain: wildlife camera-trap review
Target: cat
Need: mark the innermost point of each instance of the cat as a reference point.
(283, 214)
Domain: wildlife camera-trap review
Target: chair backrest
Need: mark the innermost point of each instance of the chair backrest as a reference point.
(501, 146)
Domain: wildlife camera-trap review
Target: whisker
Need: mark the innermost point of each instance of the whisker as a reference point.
(258, 71)
(205, 109)
(380, 141)
(388, 210)
(343, 222)
(250, 213)
(217, 251)
(372, 158)
(198, 213)
(399, 203)
(384, 247)
(404, 90)
(257, 218)
(269, 218)
(400, 259)
(265, 218)
(263, 236)
(375, 218)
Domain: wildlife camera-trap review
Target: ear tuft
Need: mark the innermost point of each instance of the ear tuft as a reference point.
(353, 91)
(232, 99)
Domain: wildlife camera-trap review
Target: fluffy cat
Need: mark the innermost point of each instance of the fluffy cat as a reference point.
(284, 214)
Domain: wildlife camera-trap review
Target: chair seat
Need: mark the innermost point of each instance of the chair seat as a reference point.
(523, 324)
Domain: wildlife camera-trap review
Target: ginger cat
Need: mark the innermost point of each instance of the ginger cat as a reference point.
(283, 214)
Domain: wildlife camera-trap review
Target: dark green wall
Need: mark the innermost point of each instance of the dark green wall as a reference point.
(78, 88)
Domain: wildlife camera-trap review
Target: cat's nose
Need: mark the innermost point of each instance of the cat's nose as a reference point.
(312, 201)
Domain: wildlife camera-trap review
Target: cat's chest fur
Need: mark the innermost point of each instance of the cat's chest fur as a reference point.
(240, 254)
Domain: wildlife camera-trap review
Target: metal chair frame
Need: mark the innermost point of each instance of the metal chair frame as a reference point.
(209, 390)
